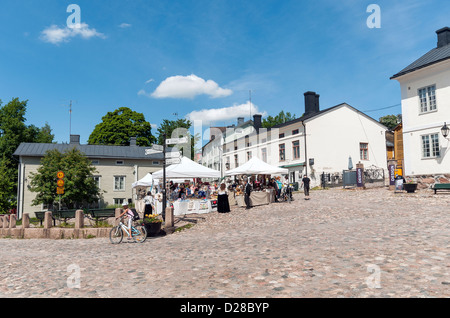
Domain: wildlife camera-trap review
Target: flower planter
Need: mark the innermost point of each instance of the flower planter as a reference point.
(153, 229)
(410, 187)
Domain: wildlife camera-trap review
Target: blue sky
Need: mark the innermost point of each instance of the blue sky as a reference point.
(199, 59)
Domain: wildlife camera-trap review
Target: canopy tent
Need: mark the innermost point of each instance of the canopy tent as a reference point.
(146, 181)
(186, 169)
(256, 166)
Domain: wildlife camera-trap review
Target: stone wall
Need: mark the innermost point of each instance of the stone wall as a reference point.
(8, 228)
(427, 181)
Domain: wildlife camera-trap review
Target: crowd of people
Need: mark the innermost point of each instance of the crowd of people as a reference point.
(243, 185)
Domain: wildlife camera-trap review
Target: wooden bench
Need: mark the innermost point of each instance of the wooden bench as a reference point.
(102, 214)
(64, 214)
(440, 186)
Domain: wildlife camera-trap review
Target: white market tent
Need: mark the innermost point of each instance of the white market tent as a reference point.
(146, 181)
(186, 169)
(256, 166)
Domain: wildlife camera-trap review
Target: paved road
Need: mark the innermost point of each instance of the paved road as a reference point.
(341, 243)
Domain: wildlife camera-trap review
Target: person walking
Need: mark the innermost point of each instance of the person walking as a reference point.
(247, 192)
(305, 184)
(223, 206)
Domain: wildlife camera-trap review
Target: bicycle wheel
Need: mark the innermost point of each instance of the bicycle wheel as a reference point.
(139, 233)
(116, 235)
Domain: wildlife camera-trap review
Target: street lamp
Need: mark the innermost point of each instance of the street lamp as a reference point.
(445, 130)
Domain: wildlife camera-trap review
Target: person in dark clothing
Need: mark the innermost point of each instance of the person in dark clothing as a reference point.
(247, 192)
(223, 205)
(305, 184)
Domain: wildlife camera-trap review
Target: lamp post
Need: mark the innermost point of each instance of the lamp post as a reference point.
(445, 130)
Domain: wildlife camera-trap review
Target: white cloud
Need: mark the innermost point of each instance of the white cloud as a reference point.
(125, 25)
(189, 87)
(56, 35)
(208, 116)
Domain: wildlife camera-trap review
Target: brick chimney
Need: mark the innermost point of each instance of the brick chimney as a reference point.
(443, 37)
(74, 139)
(311, 103)
(257, 121)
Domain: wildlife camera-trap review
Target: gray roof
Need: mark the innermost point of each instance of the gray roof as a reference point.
(434, 56)
(91, 151)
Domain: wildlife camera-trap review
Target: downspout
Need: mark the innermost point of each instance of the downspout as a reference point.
(306, 153)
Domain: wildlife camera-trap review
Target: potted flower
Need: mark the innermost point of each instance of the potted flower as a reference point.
(152, 224)
(410, 186)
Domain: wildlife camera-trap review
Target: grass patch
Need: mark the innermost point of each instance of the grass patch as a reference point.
(184, 227)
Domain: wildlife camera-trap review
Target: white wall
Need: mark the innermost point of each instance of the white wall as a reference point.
(415, 124)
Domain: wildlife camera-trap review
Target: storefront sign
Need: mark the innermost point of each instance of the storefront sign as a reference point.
(391, 175)
(359, 177)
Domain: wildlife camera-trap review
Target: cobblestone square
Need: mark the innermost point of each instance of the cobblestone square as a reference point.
(341, 243)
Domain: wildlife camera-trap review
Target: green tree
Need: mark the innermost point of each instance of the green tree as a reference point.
(14, 131)
(119, 126)
(80, 187)
(7, 186)
(390, 121)
(171, 127)
(281, 118)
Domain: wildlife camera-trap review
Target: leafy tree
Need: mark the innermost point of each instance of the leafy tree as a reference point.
(281, 118)
(14, 131)
(119, 126)
(390, 121)
(170, 128)
(80, 186)
(7, 186)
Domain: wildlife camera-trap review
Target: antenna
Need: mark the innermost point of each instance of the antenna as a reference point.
(250, 95)
(70, 119)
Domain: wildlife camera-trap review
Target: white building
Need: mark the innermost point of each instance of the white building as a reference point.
(425, 94)
(318, 142)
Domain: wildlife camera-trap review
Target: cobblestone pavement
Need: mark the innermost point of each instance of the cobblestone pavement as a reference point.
(341, 243)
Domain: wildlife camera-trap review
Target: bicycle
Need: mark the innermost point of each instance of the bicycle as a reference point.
(286, 193)
(138, 233)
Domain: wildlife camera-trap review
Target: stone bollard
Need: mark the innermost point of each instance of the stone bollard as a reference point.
(79, 219)
(169, 221)
(26, 221)
(5, 222)
(48, 220)
(12, 221)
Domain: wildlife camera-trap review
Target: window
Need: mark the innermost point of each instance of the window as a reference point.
(249, 155)
(427, 97)
(95, 162)
(97, 181)
(119, 183)
(295, 132)
(119, 201)
(264, 154)
(282, 152)
(296, 149)
(155, 163)
(430, 146)
(236, 161)
(281, 136)
(120, 162)
(364, 151)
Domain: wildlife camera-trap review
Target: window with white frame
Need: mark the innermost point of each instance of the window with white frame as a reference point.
(430, 146)
(119, 201)
(264, 154)
(296, 149)
(119, 183)
(427, 97)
